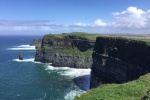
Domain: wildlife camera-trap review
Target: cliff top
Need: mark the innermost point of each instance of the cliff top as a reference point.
(82, 35)
(138, 38)
(92, 36)
(134, 90)
(76, 43)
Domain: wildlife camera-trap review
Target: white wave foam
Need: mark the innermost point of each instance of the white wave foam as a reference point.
(24, 60)
(49, 67)
(72, 94)
(27, 60)
(72, 72)
(76, 72)
(37, 62)
(22, 47)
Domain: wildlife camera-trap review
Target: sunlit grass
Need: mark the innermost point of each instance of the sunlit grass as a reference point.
(134, 90)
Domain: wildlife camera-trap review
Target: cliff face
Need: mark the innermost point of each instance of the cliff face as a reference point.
(65, 51)
(118, 60)
(64, 60)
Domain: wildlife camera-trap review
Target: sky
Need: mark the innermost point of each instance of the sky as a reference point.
(38, 17)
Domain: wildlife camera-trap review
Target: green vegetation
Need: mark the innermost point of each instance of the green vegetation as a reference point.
(135, 90)
(47, 48)
(74, 51)
(63, 40)
(61, 43)
(88, 36)
(143, 38)
(92, 36)
(66, 50)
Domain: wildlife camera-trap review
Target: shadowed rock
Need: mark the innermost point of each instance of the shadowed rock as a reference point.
(119, 60)
(83, 82)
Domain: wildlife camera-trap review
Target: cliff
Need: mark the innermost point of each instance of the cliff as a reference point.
(71, 50)
(134, 90)
(119, 60)
(36, 42)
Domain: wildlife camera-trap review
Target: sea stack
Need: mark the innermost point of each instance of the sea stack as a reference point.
(20, 56)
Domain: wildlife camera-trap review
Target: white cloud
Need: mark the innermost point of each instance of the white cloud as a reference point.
(96, 23)
(80, 24)
(99, 22)
(131, 10)
(132, 18)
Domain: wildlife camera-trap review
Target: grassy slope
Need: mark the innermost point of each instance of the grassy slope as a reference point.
(134, 90)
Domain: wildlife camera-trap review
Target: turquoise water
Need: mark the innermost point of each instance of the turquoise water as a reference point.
(29, 80)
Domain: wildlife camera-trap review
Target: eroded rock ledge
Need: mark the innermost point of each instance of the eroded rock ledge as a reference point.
(119, 60)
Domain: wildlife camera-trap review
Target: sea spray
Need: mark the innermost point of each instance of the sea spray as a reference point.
(66, 71)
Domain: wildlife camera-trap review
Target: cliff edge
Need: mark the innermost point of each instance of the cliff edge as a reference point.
(119, 60)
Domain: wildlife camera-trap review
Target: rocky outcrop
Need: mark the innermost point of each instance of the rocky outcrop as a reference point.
(35, 42)
(20, 56)
(119, 60)
(65, 51)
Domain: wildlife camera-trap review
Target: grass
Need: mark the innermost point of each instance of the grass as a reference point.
(65, 38)
(66, 50)
(45, 48)
(74, 51)
(129, 37)
(91, 37)
(134, 90)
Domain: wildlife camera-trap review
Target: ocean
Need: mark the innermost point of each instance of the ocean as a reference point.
(30, 80)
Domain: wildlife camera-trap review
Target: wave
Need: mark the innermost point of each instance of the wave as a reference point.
(70, 95)
(72, 72)
(26, 60)
(22, 47)
(76, 72)
(49, 67)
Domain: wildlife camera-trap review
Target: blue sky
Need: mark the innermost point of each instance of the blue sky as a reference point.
(37, 17)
